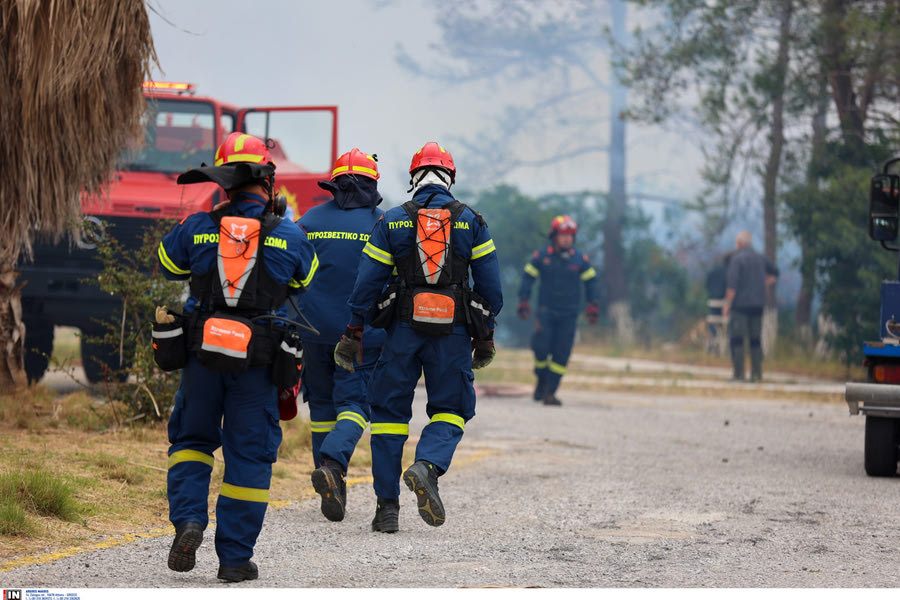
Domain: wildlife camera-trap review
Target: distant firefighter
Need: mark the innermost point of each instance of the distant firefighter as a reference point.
(562, 270)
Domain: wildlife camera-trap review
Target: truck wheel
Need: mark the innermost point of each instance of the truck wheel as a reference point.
(101, 360)
(881, 447)
(38, 349)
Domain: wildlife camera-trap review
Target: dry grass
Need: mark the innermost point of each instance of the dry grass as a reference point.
(117, 475)
(114, 494)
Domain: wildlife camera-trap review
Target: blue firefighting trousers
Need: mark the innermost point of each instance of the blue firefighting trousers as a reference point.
(554, 334)
(338, 401)
(239, 412)
(449, 383)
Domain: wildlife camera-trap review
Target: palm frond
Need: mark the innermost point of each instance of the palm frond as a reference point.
(71, 98)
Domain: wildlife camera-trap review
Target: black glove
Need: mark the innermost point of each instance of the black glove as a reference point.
(349, 349)
(482, 352)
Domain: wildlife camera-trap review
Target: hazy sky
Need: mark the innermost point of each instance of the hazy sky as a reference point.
(283, 52)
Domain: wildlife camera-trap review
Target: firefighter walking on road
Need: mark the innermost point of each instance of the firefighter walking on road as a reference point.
(562, 270)
(338, 399)
(242, 261)
(436, 324)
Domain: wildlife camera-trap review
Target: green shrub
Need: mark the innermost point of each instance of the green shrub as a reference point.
(138, 383)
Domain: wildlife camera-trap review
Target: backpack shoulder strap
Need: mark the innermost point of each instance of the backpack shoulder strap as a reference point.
(412, 208)
(267, 224)
(216, 216)
(456, 208)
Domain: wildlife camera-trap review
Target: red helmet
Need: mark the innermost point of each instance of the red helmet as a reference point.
(241, 147)
(563, 224)
(433, 154)
(356, 162)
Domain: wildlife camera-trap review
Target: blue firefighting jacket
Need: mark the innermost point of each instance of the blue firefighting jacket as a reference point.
(339, 237)
(192, 246)
(561, 273)
(394, 236)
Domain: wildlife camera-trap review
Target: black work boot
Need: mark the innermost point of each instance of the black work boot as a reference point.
(387, 515)
(538, 393)
(236, 574)
(182, 555)
(422, 478)
(328, 481)
(551, 400)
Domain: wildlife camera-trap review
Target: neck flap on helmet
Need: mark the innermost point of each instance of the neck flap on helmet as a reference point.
(351, 191)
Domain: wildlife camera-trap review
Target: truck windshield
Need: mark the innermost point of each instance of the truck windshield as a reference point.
(178, 135)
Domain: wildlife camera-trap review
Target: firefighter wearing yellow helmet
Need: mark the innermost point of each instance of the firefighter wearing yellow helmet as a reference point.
(242, 262)
(338, 399)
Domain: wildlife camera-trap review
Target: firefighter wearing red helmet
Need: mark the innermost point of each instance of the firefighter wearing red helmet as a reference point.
(562, 271)
(438, 323)
(235, 351)
(338, 400)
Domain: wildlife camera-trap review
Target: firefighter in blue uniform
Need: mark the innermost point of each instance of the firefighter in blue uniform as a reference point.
(338, 401)
(562, 270)
(237, 411)
(397, 246)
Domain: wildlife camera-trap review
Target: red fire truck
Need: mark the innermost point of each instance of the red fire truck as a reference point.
(182, 131)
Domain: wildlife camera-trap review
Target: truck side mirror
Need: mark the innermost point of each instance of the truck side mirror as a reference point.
(884, 208)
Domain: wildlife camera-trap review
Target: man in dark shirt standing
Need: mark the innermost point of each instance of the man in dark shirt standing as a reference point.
(749, 276)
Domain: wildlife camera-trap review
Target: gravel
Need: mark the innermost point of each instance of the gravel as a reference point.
(612, 490)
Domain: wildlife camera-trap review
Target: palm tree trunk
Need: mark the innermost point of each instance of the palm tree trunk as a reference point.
(12, 333)
(70, 92)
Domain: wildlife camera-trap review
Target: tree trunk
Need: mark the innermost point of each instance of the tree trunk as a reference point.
(804, 300)
(826, 328)
(773, 164)
(769, 329)
(12, 333)
(613, 251)
(620, 315)
(839, 66)
(807, 262)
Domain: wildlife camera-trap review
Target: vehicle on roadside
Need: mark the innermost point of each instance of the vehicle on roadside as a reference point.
(878, 399)
(182, 130)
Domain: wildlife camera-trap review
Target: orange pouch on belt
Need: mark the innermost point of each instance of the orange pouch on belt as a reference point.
(227, 343)
(433, 311)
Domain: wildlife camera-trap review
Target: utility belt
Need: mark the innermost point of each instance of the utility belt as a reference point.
(224, 341)
(432, 310)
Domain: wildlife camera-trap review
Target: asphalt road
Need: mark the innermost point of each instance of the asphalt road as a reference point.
(611, 490)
